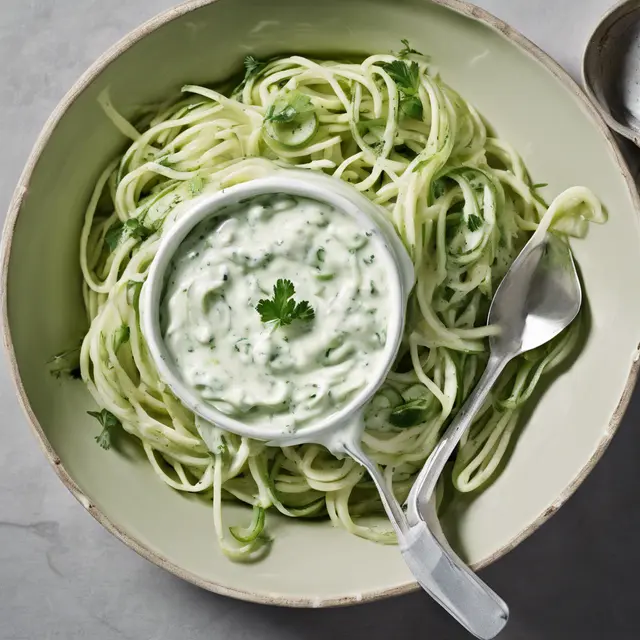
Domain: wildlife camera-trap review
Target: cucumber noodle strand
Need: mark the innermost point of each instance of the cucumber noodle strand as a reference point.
(460, 199)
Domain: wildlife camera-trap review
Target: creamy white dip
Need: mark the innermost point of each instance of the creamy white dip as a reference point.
(257, 371)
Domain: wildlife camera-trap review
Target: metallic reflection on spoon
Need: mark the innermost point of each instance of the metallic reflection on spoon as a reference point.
(611, 69)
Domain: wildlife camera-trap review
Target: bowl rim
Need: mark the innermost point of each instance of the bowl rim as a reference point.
(459, 6)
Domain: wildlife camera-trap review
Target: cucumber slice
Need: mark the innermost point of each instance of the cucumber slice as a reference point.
(385, 399)
(409, 414)
(296, 133)
(392, 396)
(418, 401)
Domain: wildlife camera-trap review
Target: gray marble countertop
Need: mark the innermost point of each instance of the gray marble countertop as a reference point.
(64, 577)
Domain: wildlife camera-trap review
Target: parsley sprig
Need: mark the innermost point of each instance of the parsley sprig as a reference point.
(407, 50)
(289, 107)
(252, 67)
(282, 309)
(407, 78)
(109, 423)
(132, 228)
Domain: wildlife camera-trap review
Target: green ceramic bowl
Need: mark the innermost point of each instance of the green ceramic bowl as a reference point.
(530, 101)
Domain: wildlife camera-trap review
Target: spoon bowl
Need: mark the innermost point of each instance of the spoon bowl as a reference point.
(539, 297)
(611, 69)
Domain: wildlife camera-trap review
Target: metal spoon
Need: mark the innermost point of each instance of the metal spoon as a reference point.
(538, 298)
(611, 69)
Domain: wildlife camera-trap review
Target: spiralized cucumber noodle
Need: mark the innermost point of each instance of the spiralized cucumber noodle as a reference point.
(460, 199)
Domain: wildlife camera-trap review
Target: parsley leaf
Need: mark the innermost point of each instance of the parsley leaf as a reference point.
(132, 228)
(438, 188)
(304, 311)
(412, 107)
(252, 67)
(289, 107)
(121, 337)
(135, 229)
(108, 422)
(407, 78)
(407, 50)
(474, 222)
(282, 309)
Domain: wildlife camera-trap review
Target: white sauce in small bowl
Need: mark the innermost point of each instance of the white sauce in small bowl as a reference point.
(285, 376)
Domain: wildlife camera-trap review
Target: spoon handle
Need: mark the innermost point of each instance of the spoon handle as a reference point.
(436, 568)
(452, 584)
(425, 483)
